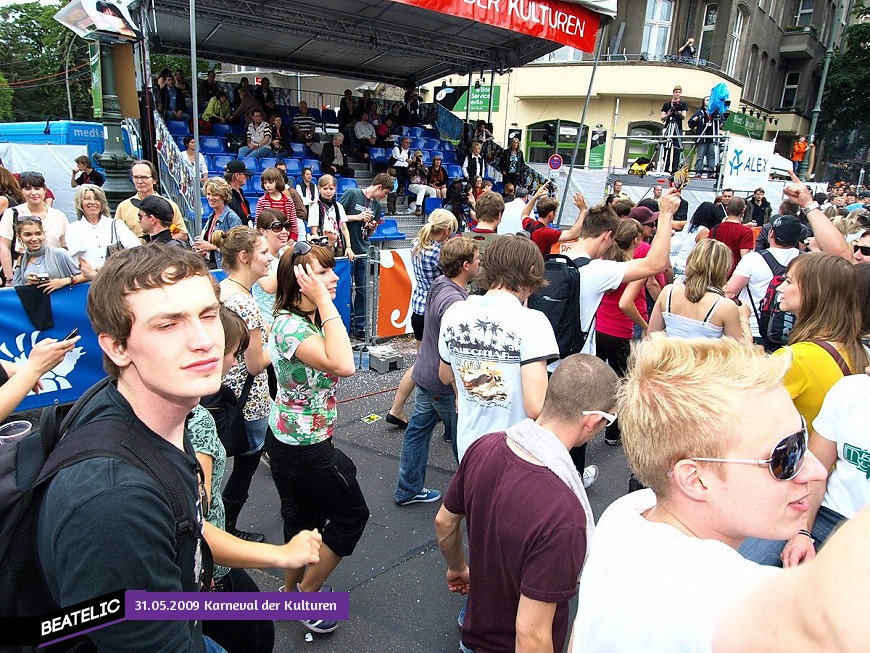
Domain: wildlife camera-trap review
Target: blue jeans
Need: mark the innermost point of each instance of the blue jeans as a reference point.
(256, 152)
(766, 552)
(429, 407)
(256, 430)
(360, 288)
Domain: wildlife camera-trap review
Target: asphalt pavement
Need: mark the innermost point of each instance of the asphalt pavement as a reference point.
(398, 595)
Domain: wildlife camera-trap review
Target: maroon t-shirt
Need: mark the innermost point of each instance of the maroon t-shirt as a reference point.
(526, 535)
(544, 237)
(736, 236)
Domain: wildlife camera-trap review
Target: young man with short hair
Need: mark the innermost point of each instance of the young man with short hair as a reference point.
(105, 524)
(433, 399)
(732, 232)
(542, 234)
(364, 212)
(494, 351)
(723, 462)
(529, 519)
(84, 173)
(155, 216)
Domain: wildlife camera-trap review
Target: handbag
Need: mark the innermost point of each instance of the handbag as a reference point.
(116, 245)
(226, 410)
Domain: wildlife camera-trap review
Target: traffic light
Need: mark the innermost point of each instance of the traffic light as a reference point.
(550, 134)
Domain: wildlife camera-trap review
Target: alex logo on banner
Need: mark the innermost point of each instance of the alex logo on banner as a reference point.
(747, 164)
(554, 20)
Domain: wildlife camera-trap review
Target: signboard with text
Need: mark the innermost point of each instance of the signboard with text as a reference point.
(746, 165)
(745, 125)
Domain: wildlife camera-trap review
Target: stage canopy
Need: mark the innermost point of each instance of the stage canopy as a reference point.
(397, 42)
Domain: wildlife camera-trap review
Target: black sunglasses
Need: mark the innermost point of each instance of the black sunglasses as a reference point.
(786, 459)
(864, 249)
(278, 227)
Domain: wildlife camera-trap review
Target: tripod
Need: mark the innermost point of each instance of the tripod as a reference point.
(671, 147)
(707, 159)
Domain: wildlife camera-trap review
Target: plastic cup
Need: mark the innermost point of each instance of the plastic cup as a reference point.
(14, 431)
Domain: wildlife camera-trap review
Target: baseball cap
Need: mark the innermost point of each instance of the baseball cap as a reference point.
(864, 194)
(236, 166)
(788, 229)
(643, 215)
(156, 206)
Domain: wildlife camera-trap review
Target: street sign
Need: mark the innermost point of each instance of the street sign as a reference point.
(555, 162)
(553, 174)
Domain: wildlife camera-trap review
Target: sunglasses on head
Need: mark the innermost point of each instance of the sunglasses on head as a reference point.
(278, 227)
(786, 459)
(864, 249)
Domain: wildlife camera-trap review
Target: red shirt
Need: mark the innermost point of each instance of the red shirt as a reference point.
(737, 236)
(286, 206)
(544, 237)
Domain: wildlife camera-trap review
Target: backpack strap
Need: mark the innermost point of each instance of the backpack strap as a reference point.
(838, 358)
(582, 262)
(775, 266)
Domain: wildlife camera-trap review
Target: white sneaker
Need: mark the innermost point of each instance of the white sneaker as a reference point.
(590, 475)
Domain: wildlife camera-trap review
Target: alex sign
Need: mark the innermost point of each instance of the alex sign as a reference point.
(553, 20)
(747, 163)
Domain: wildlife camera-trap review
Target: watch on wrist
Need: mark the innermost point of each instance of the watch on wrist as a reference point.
(811, 207)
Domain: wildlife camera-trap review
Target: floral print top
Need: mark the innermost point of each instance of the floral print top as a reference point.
(204, 438)
(305, 409)
(258, 404)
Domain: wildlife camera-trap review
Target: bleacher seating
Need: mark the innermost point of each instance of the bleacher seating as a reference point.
(449, 157)
(388, 229)
(330, 119)
(298, 150)
(433, 144)
(454, 171)
(221, 161)
(251, 163)
(427, 157)
(254, 185)
(447, 146)
(378, 155)
(268, 162)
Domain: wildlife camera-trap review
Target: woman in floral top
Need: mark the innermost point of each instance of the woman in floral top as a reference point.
(245, 257)
(316, 482)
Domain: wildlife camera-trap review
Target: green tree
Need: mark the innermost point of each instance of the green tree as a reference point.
(5, 99)
(33, 54)
(845, 122)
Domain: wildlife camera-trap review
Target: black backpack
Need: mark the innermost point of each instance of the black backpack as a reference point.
(27, 466)
(774, 324)
(559, 300)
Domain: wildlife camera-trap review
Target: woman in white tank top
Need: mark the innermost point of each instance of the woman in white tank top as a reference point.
(698, 308)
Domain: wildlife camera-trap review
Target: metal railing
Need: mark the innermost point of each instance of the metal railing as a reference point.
(177, 180)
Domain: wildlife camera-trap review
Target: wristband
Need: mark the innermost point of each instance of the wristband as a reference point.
(811, 207)
(808, 534)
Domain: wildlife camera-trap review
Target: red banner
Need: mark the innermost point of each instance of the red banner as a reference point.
(554, 20)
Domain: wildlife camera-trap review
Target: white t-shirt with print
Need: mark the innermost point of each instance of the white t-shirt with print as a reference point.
(755, 268)
(486, 340)
(842, 420)
(647, 586)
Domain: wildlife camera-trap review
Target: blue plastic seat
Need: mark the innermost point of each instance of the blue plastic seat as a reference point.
(454, 171)
(268, 162)
(330, 118)
(298, 150)
(314, 164)
(254, 185)
(378, 155)
(294, 167)
(427, 157)
(221, 161)
(432, 203)
(449, 157)
(177, 127)
(315, 113)
(206, 209)
(291, 181)
(388, 229)
(251, 163)
(345, 183)
(220, 129)
(433, 144)
(447, 146)
(415, 132)
(212, 145)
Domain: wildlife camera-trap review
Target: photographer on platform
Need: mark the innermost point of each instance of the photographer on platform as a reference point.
(673, 113)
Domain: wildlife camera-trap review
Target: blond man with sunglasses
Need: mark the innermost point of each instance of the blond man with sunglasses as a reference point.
(711, 430)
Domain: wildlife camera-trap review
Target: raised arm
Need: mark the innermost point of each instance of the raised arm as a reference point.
(828, 237)
(658, 256)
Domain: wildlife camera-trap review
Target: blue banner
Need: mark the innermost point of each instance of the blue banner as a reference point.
(83, 366)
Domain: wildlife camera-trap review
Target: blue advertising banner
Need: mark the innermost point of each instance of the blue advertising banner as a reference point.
(83, 366)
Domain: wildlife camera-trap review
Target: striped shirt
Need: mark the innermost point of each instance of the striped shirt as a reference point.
(426, 270)
(305, 123)
(286, 206)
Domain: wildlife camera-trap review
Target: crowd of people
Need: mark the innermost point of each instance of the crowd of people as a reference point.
(667, 303)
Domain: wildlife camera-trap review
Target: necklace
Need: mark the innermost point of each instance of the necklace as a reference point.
(238, 283)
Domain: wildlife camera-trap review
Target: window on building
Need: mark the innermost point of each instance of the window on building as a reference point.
(705, 49)
(657, 27)
(538, 151)
(756, 94)
(789, 89)
(734, 49)
(804, 12)
(562, 54)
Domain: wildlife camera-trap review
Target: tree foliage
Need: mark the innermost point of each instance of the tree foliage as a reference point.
(33, 52)
(5, 99)
(845, 121)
